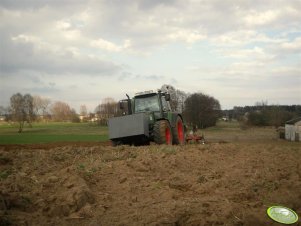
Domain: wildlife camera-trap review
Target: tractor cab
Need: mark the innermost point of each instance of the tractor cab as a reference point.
(148, 101)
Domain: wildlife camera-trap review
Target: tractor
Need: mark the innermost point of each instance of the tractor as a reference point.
(147, 117)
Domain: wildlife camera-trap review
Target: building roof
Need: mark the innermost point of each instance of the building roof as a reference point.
(293, 121)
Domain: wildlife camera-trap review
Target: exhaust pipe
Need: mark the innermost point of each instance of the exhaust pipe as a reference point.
(129, 104)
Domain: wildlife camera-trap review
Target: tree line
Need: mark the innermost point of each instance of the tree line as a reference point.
(199, 110)
(262, 114)
(28, 109)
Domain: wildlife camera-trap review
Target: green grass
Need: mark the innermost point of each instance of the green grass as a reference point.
(232, 131)
(89, 132)
(225, 126)
(53, 132)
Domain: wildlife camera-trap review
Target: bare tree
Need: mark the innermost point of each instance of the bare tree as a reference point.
(41, 105)
(22, 109)
(173, 95)
(5, 112)
(181, 97)
(61, 111)
(28, 108)
(2, 110)
(18, 114)
(177, 97)
(97, 109)
(107, 109)
(74, 116)
(83, 110)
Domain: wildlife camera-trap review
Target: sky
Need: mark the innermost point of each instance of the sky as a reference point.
(81, 52)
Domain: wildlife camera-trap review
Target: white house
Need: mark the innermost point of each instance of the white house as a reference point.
(293, 129)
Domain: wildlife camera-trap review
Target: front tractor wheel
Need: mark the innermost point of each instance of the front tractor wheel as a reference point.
(178, 132)
(162, 132)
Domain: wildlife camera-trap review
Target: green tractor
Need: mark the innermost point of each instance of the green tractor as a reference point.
(147, 117)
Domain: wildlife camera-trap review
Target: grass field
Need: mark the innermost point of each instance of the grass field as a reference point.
(89, 132)
(234, 132)
(53, 132)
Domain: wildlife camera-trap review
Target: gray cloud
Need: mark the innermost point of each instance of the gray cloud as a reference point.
(19, 56)
(46, 90)
(150, 4)
(102, 42)
(130, 76)
(153, 77)
(36, 4)
(25, 4)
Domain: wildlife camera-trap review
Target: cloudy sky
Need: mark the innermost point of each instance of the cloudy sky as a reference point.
(81, 52)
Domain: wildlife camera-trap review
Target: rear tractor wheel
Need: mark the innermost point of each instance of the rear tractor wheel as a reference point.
(162, 132)
(178, 132)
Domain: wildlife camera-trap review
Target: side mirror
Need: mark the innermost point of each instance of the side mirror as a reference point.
(167, 97)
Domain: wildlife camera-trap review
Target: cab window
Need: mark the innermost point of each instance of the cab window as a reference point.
(144, 104)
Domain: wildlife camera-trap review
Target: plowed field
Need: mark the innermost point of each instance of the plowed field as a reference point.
(212, 184)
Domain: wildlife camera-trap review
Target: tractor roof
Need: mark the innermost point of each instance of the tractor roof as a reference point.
(146, 93)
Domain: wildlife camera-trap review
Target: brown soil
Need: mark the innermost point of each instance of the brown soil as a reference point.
(211, 184)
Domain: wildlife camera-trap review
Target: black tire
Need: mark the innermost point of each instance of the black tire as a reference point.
(162, 132)
(178, 132)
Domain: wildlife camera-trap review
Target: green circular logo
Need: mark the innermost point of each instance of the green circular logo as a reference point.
(282, 214)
